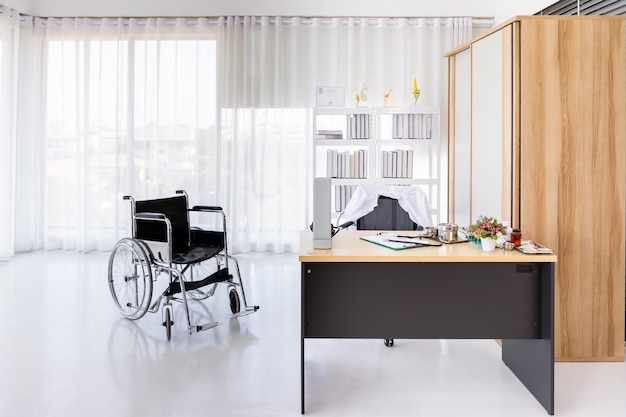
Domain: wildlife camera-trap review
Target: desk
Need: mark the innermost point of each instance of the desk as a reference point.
(454, 291)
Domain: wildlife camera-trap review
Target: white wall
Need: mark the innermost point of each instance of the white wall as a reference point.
(505, 9)
(22, 6)
(484, 8)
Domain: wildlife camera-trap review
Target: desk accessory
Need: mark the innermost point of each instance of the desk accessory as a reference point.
(399, 243)
(322, 226)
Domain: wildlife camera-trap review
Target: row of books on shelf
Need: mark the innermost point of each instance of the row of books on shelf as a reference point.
(412, 126)
(397, 164)
(359, 126)
(343, 194)
(346, 164)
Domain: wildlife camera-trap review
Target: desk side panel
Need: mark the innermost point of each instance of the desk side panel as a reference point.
(532, 361)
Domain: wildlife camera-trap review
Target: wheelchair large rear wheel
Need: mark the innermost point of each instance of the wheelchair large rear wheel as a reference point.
(130, 278)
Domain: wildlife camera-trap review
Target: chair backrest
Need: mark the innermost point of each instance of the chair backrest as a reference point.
(175, 209)
(387, 215)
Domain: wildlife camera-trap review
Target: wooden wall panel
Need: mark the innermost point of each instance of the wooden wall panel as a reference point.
(565, 118)
(572, 178)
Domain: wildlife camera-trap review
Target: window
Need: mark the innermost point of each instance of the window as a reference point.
(125, 116)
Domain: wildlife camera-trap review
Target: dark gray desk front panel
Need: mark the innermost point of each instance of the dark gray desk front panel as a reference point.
(422, 300)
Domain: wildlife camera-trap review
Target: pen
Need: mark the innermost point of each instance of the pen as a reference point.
(394, 235)
(406, 244)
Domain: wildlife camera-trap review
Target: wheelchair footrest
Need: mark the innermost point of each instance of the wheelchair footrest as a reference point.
(246, 311)
(201, 327)
(217, 276)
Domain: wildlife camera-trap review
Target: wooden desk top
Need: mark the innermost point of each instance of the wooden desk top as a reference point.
(348, 247)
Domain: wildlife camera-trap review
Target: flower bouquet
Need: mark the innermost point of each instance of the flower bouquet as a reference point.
(486, 228)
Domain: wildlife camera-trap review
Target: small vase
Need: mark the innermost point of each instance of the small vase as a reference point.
(415, 97)
(489, 245)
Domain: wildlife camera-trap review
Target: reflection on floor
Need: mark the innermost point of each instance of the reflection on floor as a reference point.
(66, 351)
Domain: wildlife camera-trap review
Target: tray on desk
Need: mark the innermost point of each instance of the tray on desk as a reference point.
(533, 248)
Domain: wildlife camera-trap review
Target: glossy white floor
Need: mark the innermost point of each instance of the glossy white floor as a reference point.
(65, 351)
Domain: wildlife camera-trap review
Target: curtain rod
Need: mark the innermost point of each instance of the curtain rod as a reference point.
(488, 22)
(272, 19)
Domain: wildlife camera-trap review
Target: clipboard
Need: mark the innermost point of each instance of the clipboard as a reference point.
(400, 243)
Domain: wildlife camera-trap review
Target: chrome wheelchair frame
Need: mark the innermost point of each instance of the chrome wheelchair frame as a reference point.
(195, 261)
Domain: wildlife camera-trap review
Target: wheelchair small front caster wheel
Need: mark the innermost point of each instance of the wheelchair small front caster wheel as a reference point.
(235, 304)
(167, 322)
(388, 342)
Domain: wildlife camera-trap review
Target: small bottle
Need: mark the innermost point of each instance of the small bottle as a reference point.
(516, 237)
(507, 230)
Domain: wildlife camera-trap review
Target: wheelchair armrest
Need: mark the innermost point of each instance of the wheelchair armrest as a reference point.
(206, 208)
(150, 216)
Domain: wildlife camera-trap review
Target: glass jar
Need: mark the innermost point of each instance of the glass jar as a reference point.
(516, 237)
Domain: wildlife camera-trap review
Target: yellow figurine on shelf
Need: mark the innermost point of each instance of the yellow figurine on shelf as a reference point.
(361, 96)
(416, 92)
(386, 98)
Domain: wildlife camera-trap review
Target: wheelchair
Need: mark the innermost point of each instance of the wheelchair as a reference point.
(194, 260)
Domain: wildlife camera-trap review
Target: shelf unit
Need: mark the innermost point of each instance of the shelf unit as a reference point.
(377, 145)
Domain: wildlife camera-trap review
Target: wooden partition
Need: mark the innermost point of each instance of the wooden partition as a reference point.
(563, 166)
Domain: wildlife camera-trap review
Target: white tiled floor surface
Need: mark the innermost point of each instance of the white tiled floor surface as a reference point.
(65, 351)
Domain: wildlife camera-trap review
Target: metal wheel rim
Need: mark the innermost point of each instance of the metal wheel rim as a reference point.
(130, 278)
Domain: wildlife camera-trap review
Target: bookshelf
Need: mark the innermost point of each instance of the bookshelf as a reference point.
(377, 145)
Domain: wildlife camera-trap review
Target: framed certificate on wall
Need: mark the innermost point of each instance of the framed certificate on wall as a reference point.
(329, 96)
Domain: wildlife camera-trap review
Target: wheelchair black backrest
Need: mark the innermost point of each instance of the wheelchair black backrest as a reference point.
(388, 215)
(175, 209)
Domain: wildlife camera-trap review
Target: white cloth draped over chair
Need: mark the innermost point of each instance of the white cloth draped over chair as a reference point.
(411, 198)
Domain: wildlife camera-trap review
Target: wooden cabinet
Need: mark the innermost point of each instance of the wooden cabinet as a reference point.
(546, 98)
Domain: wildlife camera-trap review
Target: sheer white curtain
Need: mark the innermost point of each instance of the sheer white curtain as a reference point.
(30, 150)
(268, 70)
(130, 110)
(218, 107)
(9, 48)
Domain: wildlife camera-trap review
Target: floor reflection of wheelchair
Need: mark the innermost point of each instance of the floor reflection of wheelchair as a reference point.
(194, 259)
